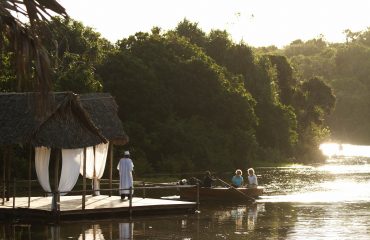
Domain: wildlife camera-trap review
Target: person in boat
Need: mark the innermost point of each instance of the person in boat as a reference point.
(252, 179)
(237, 180)
(125, 167)
(208, 179)
(194, 181)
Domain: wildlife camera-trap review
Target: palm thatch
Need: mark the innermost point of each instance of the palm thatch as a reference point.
(16, 33)
(102, 109)
(75, 121)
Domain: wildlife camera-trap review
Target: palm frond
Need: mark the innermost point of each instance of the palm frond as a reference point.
(31, 59)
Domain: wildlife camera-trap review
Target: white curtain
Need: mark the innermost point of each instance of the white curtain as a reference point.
(89, 163)
(97, 158)
(72, 166)
(72, 159)
(101, 152)
(42, 158)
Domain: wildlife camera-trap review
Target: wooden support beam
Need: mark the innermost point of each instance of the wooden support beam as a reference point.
(56, 169)
(29, 174)
(5, 151)
(110, 167)
(9, 171)
(84, 181)
(56, 200)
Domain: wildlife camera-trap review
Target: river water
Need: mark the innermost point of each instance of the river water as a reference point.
(331, 201)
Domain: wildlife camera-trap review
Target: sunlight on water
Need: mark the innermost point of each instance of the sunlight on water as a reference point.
(340, 180)
(345, 169)
(337, 191)
(335, 149)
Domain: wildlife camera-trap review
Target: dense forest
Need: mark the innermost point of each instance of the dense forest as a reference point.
(191, 100)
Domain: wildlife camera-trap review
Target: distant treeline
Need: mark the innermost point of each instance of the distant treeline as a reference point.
(191, 100)
(345, 67)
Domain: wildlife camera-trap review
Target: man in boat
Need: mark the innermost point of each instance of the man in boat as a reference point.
(252, 179)
(125, 167)
(237, 180)
(208, 180)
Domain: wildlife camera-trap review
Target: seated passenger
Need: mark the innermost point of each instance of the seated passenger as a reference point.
(237, 180)
(252, 179)
(208, 179)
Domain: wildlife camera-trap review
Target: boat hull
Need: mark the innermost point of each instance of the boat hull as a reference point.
(220, 193)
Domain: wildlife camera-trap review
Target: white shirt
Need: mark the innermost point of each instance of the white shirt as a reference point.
(252, 179)
(125, 167)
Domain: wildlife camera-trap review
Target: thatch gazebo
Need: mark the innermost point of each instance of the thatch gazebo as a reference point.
(72, 122)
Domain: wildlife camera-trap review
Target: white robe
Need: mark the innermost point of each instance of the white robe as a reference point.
(125, 167)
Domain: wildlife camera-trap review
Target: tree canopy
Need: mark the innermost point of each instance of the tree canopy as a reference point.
(345, 68)
(191, 100)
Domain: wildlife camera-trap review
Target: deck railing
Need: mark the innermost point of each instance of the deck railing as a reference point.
(55, 204)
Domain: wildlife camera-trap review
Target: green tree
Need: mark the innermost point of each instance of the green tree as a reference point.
(286, 81)
(192, 32)
(181, 109)
(314, 101)
(268, 82)
(75, 51)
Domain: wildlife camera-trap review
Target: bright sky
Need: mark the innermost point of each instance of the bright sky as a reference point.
(256, 22)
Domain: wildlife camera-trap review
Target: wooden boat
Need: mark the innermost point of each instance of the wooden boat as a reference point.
(220, 193)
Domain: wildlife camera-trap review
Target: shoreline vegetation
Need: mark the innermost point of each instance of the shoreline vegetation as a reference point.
(175, 177)
(193, 100)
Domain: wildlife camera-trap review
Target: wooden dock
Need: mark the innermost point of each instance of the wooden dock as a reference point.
(98, 207)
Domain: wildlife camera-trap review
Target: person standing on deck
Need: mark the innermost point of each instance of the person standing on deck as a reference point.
(252, 179)
(125, 167)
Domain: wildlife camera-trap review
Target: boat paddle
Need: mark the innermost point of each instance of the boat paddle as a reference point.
(245, 195)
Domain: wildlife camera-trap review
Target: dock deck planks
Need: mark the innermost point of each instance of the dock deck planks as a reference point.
(71, 206)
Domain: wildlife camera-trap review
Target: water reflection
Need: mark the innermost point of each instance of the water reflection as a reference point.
(93, 233)
(126, 231)
(329, 183)
(317, 202)
(244, 217)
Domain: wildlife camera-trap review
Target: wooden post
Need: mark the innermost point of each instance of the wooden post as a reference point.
(14, 187)
(29, 175)
(9, 172)
(94, 180)
(56, 180)
(130, 201)
(144, 192)
(84, 182)
(110, 168)
(198, 196)
(56, 170)
(4, 172)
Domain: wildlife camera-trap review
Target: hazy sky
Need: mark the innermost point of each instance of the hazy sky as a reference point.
(256, 22)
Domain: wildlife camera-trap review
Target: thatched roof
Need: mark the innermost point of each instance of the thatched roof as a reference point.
(102, 109)
(74, 121)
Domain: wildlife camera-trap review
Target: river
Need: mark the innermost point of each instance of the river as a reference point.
(330, 201)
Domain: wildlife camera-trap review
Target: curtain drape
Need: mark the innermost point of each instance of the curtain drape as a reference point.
(97, 158)
(72, 159)
(42, 158)
(101, 152)
(89, 163)
(72, 166)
